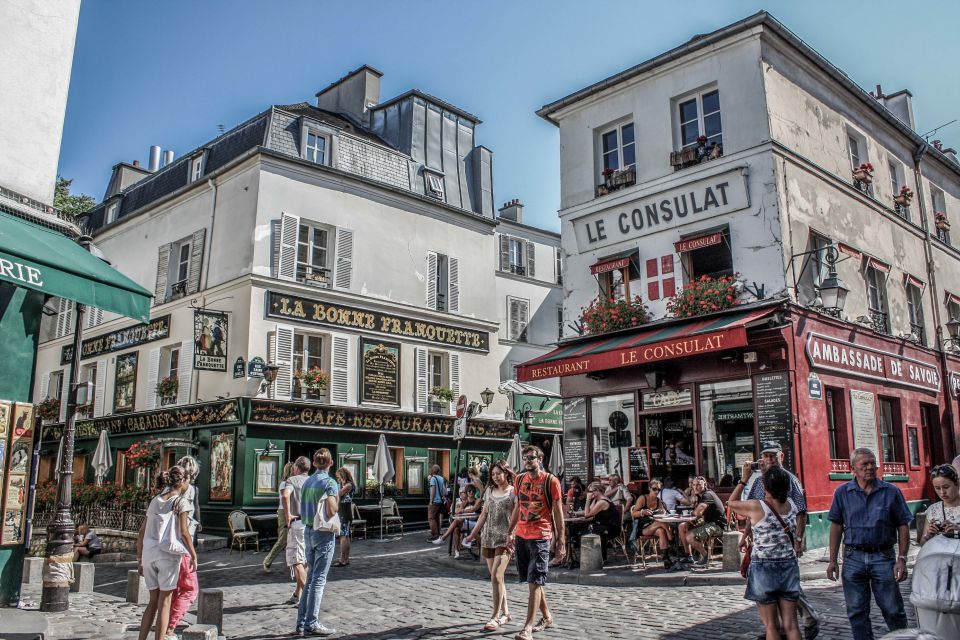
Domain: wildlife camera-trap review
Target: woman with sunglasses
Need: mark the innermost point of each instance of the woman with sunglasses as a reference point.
(944, 516)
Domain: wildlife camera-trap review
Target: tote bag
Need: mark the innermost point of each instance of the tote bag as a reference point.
(321, 522)
(170, 541)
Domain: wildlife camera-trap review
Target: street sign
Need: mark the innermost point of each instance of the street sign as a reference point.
(618, 421)
(461, 407)
(459, 428)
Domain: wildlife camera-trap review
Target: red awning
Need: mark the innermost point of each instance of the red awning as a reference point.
(952, 297)
(879, 265)
(666, 342)
(853, 252)
(698, 242)
(609, 265)
(915, 282)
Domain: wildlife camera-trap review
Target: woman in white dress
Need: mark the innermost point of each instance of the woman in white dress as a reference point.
(944, 516)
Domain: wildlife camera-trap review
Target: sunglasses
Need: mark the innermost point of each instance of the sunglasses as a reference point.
(531, 457)
(944, 470)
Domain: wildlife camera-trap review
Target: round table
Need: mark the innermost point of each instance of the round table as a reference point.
(572, 555)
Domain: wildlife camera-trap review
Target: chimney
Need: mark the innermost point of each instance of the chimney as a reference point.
(167, 157)
(123, 176)
(353, 94)
(136, 163)
(154, 163)
(512, 211)
(900, 104)
(951, 153)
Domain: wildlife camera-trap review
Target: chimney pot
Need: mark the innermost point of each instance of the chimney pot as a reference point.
(136, 163)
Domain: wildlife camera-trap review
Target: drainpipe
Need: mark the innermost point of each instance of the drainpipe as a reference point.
(934, 292)
(208, 250)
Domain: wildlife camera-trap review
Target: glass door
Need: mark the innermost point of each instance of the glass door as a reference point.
(672, 446)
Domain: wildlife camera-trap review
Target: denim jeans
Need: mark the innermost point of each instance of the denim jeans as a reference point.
(319, 548)
(863, 572)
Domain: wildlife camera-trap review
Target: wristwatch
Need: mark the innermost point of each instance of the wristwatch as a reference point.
(904, 558)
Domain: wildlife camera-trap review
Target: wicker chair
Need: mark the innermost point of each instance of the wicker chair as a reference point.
(241, 531)
(390, 515)
(647, 546)
(357, 524)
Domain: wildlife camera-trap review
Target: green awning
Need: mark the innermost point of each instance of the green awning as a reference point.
(45, 260)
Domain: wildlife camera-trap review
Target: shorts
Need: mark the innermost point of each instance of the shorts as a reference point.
(706, 531)
(533, 556)
(493, 552)
(345, 528)
(772, 580)
(161, 571)
(296, 547)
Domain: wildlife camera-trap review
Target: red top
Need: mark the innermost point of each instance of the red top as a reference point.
(536, 521)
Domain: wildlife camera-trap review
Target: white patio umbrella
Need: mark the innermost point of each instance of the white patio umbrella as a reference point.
(102, 460)
(556, 458)
(56, 468)
(514, 456)
(383, 471)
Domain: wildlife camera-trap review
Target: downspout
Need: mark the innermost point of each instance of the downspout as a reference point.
(208, 250)
(934, 292)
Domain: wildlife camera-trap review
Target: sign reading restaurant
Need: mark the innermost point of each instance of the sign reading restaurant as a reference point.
(120, 339)
(291, 307)
(714, 196)
(833, 354)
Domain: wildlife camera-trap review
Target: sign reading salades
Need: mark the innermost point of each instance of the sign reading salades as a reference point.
(833, 354)
(713, 196)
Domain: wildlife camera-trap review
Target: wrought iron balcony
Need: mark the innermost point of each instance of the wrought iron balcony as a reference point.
(878, 321)
(616, 180)
(178, 289)
(517, 269)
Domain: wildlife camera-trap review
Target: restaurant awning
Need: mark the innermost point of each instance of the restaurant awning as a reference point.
(45, 260)
(667, 342)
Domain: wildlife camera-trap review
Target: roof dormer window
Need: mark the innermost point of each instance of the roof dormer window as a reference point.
(112, 210)
(433, 185)
(196, 167)
(316, 143)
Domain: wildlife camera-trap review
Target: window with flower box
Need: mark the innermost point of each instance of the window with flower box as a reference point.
(700, 116)
(915, 310)
(941, 221)
(308, 353)
(876, 280)
(712, 261)
(857, 153)
(618, 148)
(896, 184)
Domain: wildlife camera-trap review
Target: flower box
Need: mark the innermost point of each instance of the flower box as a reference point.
(313, 379)
(940, 221)
(49, 409)
(863, 173)
(705, 295)
(442, 394)
(610, 314)
(904, 197)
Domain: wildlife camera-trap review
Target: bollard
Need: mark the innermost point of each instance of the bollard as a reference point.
(210, 608)
(200, 632)
(731, 551)
(83, 573)
(921, 521)
(32, 571)
(137, 592)
(590, 557)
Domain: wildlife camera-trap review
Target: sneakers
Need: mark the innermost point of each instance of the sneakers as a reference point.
(456, 555)
(294, 600)
(467, 543)
(318, 630)
(439, 540)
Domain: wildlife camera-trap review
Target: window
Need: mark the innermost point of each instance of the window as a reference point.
(890, 445)
(713, 261)
(877, 298)
(89, 375)
(559, 323)
(915, 311)
(180, 269)
(939, 213)
(953, 309)
(836, 424)
(441, 458)
(619, 148)
(315, 149)
(313, 251)
(112, 210)
(196, 168)
(517, 256)
(517, 253)
(173, 364)
(700, 116)
(434, 184)
(814, 268)
(853, 145)
(55, 387)
(930, 433)
(896, 182)
(518, 311)
(558, 266)
(307, 353)
(437, 377)
(443, 273)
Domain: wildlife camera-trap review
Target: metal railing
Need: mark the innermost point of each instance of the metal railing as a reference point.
(878, 321)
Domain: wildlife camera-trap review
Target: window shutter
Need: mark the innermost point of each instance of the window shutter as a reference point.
(153, 377)
(453, 280)
(524, 307)
(344, 259)
(287, 261)
(196, 259)
(64, 392)
(274, 248)
(530, 249)
(163, 268)
(283, 358)
(454, 379)
(504, 252)
(44, 387)
(64, 317)
(420, 364)
(94, 317)
(185, 372)
(340, 375)
(100, 385)
(431, 280)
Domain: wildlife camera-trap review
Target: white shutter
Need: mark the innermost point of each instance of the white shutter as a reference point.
(274, 248)
(283, 358)
(153, 376)
(185, 372)
(100, 386)
(64, 393)
(530, 249)
(163, 268)
(287, 262)
(64, 317)
(344, 259)
(44, 387)
(453, 278)
(196, 260)
(340, 374)
(420, 365)
(94, 317)
(454, 379)
(431, 280)
(524, 313)
(504, 252)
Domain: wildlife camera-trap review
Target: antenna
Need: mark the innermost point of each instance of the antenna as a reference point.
(221, 128)
(927, 135)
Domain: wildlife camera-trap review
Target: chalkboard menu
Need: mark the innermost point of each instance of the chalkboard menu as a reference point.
(575, 459)
(771, 397)
(638, 465)
(379, 372)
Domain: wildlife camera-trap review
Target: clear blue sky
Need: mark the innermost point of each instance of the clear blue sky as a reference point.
(169, 72)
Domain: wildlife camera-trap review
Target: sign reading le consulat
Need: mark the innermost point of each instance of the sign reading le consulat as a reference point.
(291, 307)
(158, 329)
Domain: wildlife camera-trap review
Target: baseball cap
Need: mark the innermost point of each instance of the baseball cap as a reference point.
(770, 447)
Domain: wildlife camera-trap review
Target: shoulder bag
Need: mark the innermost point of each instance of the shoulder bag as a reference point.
(323, 523)
(170, 541)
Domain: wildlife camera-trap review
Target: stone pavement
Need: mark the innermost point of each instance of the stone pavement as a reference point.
(407, 589)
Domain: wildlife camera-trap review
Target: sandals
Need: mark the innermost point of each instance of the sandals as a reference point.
(504, 619)
(493, 625)
(523, 635)
(545, 623)
(341, 563)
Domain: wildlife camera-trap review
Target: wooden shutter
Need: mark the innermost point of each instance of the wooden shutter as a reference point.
(185, 372)
(163, 269)
(453, 288)
(153, 377)
(64, 392)
(283, 358)
(287, 262)
(530, 249)
(518, 315)
(99, 388)
(504, 252)
(343, 268)
(454, 379)
(44, 387)
(420, 366)
(431, 280)
(340, 374)
(274, 248)
(64, 317)
(94, 317)
(196, 260)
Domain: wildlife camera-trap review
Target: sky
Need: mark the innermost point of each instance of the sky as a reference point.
(168, 73)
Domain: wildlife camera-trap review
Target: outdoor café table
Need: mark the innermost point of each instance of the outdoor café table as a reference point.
(367, 510)
(674, 521)
(575, 526)
(462, 518)
(265, 525)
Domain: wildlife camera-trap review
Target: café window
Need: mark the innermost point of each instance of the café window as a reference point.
(891, 444)
(390, 489)
(875, 276)
(308, 353)
(313, 253)
(726, 430)
(713, 261)
(441, 458)
(700, 116)
(619, 147)
(836, 424)
(814, 269)
(610, 446)
(915, 310)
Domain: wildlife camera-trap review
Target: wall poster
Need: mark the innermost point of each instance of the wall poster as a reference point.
(415, 476)
(379, 372)
(125, 386)
(209, 340)
(268, 473)
(864, 415)
(222, 445)
(17, 471)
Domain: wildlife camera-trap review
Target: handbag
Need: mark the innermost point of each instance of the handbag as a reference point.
(745, 563)
(170, 530)
(323, 523)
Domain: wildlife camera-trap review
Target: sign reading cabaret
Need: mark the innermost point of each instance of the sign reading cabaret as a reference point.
(120, 339)
(211, 413)
(301, 415)
(832, 354)
(663, 350)
(290, 307)
(698, 200)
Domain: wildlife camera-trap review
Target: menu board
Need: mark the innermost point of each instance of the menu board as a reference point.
(575, 459)
(864, 416)
(17, 473)
(639, 470)
(771, 398)
(379, 372)
(6, 409)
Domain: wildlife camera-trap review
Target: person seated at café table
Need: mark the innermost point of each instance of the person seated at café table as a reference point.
(644, 523)
(618, 493)
(670, 495)
(606, 518)
(467, 505)
(576, 495)
(710, 523)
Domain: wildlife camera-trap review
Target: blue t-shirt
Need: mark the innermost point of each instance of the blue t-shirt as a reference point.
(440, 489)
(869, 519)
(316, 488)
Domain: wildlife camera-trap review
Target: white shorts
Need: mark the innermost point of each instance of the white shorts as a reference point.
(296, 547)
(161, 571)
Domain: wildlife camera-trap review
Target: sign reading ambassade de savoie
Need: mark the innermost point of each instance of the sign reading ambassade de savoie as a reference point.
(157, 329)
(834, 354)
(299, 309)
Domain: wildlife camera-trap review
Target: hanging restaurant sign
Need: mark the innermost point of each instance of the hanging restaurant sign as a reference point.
(379, 372)
(313, 415)
(699, 242)
(199, 415)
(291, 307)
(955, 384)
(833, 354)
(120, 339)
(209, 340)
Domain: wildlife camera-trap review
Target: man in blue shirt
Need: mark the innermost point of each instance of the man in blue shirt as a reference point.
(871, 516)
(320, 491)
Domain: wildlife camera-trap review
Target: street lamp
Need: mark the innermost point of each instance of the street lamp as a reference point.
(269, 376)
(486, 396)
(524, 414)
(953, 328)
(833, 293)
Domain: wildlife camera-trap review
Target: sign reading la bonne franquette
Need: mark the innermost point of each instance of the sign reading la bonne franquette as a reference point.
(833, 354)
(157, 329)
(698, 200)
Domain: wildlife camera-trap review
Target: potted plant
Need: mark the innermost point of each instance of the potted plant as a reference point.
(167, 389)
(442, 394)
(904, 197)
(610, 314)
(863, 173)
(940, 221)
(49, 409)
(705, 295)
(313, 379)
(143, 455)
(84, 410)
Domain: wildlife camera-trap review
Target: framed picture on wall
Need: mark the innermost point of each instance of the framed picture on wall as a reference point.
(415, 474)
(125, 388)
(222, 448)
(268, 474)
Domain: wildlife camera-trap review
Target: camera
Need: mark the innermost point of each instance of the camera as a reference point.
(754, 466)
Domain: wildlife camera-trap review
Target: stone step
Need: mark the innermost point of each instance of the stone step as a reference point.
(207, 542)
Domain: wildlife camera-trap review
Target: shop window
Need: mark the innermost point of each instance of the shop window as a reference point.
(913, 446)
(713, 261)
(611, 447)
(930, 434)
(670, 438)
(876, 281)
(726, 430)
(399, 479)
(308, 352)
(814, 269)
(441, 458)
(836, 425)
(891, 442)
(915, 312)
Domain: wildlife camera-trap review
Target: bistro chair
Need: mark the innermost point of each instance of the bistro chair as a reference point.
(241, 531)
(390, 515)
(647, 546)
(358, 524)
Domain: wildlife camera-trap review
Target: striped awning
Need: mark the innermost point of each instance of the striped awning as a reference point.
(668, 342)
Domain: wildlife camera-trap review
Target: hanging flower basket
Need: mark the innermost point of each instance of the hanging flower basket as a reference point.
(49, 409)
(863, 173)
(143, 455)
(442, 394)
(168, 388)
(940, 221)
(610, 314)
(705, 295)
(904, 197)
(314, 378)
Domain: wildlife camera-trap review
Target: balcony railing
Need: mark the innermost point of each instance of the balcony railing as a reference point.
(690, 156)
(517, 269)
(894, 469)
(902, 210)
(917, 331)
(616, 181)
(878, 321)
(178, 289)
(943, 235)
(840, 466)
(317, 277)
